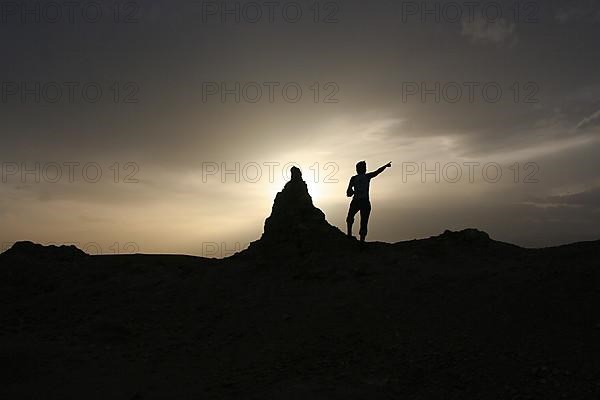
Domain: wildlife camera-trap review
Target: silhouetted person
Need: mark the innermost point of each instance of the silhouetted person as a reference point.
(359, 188)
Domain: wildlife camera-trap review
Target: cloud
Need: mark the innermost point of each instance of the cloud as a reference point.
(479, 30)
(583, 11)
(589, 198)
(588, 120)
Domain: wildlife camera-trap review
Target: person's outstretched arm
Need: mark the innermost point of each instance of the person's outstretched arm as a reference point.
(350, 190)
(380, 170)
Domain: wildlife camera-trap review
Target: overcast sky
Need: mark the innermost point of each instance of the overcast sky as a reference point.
(490, 113)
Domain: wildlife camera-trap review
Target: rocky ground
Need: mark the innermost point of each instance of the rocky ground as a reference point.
(304, 313)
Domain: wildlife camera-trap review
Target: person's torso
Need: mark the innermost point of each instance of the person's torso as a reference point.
(361, 186)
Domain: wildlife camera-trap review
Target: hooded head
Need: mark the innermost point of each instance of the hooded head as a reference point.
(361, 167)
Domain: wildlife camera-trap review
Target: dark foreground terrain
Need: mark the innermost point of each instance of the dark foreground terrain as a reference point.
(304, 313)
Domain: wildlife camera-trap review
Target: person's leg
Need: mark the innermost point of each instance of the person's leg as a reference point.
(351, 213)
(365, 211)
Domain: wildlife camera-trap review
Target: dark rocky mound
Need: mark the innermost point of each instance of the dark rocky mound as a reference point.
(468, 238)
(296, 224)
(468, 235)
(34, 251)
